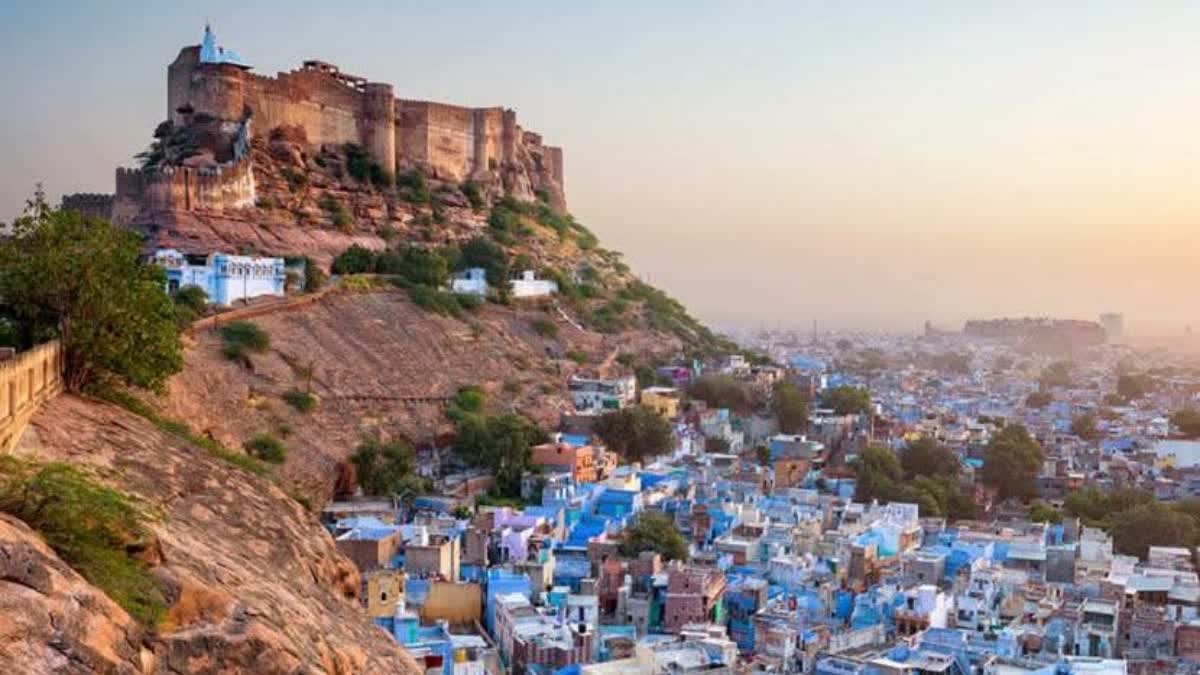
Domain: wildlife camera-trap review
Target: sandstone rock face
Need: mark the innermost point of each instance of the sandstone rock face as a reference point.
(52, 620)
(255, 583)
(381, 365)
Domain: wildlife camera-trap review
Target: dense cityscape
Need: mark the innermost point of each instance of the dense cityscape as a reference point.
(320, 375)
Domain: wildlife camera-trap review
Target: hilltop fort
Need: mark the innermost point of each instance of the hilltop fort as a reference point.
(209, 157)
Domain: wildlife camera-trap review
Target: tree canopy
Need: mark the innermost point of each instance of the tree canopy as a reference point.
(501, 443)
(1084, 426)
(1187, 421)
(1057, 374)
(78, 278)
(790, 406)
(1131, 387)
(1011, 461)
(927, 457)
(386, 468)
(721, 391)
(877, 474)
(848, 400)
(654, 531)
(635, 432)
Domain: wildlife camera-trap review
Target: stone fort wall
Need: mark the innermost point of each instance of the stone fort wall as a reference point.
(213, 190)
(26, 381)
(450, 142)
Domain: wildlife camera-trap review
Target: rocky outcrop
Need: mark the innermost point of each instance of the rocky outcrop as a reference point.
(254, 583)
(53, 621)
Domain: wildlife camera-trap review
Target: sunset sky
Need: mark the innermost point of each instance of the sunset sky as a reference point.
(866, 164)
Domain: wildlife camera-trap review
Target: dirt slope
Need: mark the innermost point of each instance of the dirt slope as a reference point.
(383, 366)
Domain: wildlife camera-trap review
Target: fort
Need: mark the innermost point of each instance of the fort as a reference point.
(223, 108)
(220, 109)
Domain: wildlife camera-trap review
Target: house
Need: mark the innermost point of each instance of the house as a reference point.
(601, 395)
(370, 547)
(224, 278)
(586, 464)
(529, 286)
(662, 400)
(472, 281)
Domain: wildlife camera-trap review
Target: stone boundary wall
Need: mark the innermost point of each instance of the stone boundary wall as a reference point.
(26, 381)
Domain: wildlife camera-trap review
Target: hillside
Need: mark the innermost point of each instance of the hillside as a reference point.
(382, 365)
(253, 583)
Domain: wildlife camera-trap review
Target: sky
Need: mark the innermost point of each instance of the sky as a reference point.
(868, 165)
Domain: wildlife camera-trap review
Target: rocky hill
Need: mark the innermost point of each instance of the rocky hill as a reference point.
(377, 362)
(253, 583)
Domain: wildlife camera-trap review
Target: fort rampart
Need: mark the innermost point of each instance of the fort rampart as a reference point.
(450, 142)
(26, 381)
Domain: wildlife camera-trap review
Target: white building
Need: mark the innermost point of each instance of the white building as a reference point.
(529, 286)
(597, 396)
(225, 278)
(472, 281)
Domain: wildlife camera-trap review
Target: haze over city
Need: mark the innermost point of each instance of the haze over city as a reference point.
(867, 166)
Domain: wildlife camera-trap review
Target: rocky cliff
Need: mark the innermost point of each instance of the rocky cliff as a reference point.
(253, 583)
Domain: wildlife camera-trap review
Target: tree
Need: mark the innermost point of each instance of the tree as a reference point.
(78, 278)
(501, 443)
(1151, 524)
(635, 432)
(877, 474)
(385, 469)
(484, 253)
(927, 457)
(1084, 426)
(790, 406)
(848, 400)
(721, 391)
(354, 260)
(1131, 387)
(1187, 421)
(1039, 399)
(1057, 374)
(190, 304)
(1040, 512)
(1011, 461)
(654, 531)
(763, 454)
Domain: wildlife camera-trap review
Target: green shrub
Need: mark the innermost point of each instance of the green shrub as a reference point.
(314, 276)
(296, 180)
(363, 169)
(474, 195)
(544, 327)
(354, 260)
(95, 529)
(190, 304)
(266, 203)
(434, 300)
(578, 356)
(241, 337)
(470, 399)
(342, 218)
(414, 186)
(266, 448)
(504, 220)
(302, 401)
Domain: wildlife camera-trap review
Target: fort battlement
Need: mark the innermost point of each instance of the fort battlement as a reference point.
(89, 204)
(26, 381)
(449, 142)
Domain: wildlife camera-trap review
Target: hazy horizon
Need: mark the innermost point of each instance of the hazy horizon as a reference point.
(869, 166)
